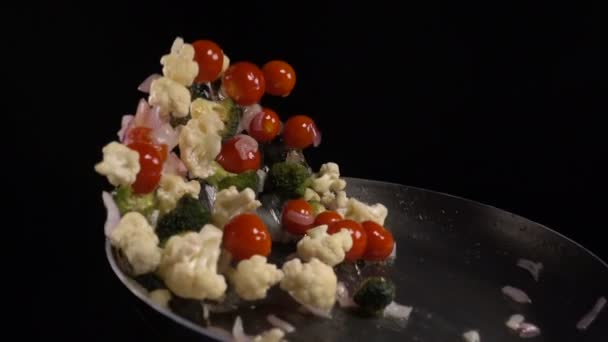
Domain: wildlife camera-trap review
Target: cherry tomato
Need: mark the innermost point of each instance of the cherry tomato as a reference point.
(297, 216)
(280, 78)
(300, 132)
(244, 83)
(245, 235)
(151, 167)
(380, 242)
(231, 160)
(265, 126)
(209, 58)
(327, 217)
(356, 232)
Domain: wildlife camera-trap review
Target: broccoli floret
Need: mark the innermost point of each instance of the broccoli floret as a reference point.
(288, 179)
(179, 121)
(317, 207)
(127, 201)
(189, 215)
(247, 179)
(219, 175)
(231, 117)
(374, 294)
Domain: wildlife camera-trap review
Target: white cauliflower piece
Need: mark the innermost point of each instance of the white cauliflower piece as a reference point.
(200, 107)
(160, 297)
(328, 179)
(136, 239)
(311, 195)
(172, 188)
(189, 264)
(271, 335)
(334, 201)
(200, 142)
(330, 249)
(230, 203)
(179, 65)
(170, 96)
(120, 164)
(254, 276)
(313, 283)
(359, 211)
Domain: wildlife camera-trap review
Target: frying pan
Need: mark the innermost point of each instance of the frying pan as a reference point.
(453, 257)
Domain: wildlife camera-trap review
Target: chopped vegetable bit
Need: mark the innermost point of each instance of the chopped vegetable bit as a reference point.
(231, 116)
(128, 201)
(288, 179)
(242, 181)
(188, 215)
(374, 294)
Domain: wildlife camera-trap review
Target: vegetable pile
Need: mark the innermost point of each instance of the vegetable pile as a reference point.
(206, 181)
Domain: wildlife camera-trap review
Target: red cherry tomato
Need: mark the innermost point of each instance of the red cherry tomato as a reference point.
(245, 235)
(265, 126)
(209, 58)
(151, 167)
(297, 216)
(280, 78)
(356, 232)
(327, 217)
(300, 132)
(380, 242)
(143, 134)
(244, 83)
(231, 159)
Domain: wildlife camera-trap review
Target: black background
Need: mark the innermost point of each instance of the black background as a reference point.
(500, 104)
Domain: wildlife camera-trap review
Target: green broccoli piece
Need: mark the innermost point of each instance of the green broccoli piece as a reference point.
(247, 179)
(317, 207)
(231, 117)
(288, 179)
(374, 294)
(128, 201)
(189, 215)
(219, 175)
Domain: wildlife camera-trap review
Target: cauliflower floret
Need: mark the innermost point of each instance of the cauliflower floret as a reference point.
(334, 201)
(179, 64)
(200, 142)
(160, 297)
(311, 195)
(272, 335)
(189, 264)
(359, 211)
(328, 179)
(330, 249)
(120, 164)
(254, 276)
(170, 96)
(230, 203)
(172, 188)
(136, 239)
(313, 283)
(201, 107)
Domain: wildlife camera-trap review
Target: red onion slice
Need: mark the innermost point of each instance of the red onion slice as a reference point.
(165, 134)
(528, 330)
(238, 333)
(533, 267)
(249, 112)
(516, 294)
(256, 122)
(316, 140)
(343, 297)
(471, 336)
(144, 87)
(281, 324)
(299, 218)
(590, 316)
(245, 145)
(398, 311)
(113, 214)
(174, 166)
(125, 126)
(514, 321)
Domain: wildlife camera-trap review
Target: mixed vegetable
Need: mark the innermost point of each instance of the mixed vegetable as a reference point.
(197, 170)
